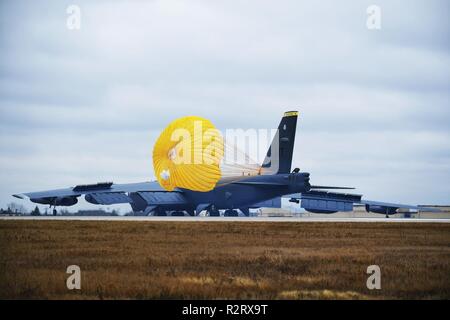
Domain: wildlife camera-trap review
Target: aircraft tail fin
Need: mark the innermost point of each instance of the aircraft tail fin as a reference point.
(279, 155)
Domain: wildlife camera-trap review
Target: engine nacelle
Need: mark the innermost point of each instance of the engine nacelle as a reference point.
(58, 201)
(66, 201)
(381, 209)
(320, 211)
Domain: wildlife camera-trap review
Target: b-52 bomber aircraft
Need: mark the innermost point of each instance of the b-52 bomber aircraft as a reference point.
(248, 192)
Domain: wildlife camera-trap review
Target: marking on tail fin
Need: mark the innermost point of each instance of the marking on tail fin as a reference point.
(291, 113)
(279, 156)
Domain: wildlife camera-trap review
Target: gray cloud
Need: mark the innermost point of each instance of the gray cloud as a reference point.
(87, 105)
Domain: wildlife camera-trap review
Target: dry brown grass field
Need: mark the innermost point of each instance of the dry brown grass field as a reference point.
(223, 260)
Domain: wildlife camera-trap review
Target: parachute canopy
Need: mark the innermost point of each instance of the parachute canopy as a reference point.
(188, 154)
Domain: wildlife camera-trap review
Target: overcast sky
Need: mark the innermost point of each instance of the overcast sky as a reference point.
(81, 106)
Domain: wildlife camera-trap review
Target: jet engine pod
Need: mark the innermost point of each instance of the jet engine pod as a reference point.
(188, 154)
(58, 201)
(381, 209)
(66, 201)
(320, 211)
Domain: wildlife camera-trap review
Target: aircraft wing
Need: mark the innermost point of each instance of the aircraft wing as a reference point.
(330, 202)
(107, 193)
(383, 205)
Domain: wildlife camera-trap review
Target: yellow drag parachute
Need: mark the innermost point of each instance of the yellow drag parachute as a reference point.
(188, 154)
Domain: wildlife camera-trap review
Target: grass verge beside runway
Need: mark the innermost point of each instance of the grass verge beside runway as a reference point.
(203, 260)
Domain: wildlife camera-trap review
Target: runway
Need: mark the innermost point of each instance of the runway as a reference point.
(225, 219)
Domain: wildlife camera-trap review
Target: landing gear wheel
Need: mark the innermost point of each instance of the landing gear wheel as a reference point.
(191, 213)
(55, 212)
(177, 214)
(231, 213)
(161, 213)
(214, 213)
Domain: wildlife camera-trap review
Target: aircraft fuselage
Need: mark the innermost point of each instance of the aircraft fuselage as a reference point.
(249, 191)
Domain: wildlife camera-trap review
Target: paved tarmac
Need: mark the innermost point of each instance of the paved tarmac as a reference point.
(226, 219)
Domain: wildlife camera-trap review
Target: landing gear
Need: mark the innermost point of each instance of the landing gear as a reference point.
(191, 213)
(245, 211)
(55, 212)
(160, 213)
(213, 212)
(177, 214)
(231, 213)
